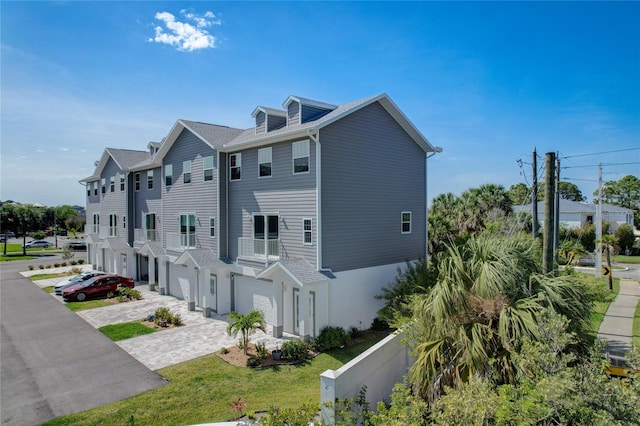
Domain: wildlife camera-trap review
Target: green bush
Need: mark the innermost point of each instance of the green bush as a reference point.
(261, 350)
(330, 338)
(176, 320)
(39, 235)
(294, 350)
(80, 261)
(355, 332)
(379, 324)
(253, 362)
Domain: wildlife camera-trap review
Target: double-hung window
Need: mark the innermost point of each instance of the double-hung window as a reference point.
(95, 188)
(113, 225)
(150, 226)
(137, 181)
(300, 152)
(149, 179)
(112, 183)
(186, 171)
(188, 230)
(406, 222)
(88, 189)
(235, 165)
(212, 227)
(121, 182)
(96, 223)
(103, 181)
(306, 231)
(264, 162)
(207, 166)
(168, 174)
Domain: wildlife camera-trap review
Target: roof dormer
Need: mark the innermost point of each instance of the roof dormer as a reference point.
(268, 119)
(302, 110)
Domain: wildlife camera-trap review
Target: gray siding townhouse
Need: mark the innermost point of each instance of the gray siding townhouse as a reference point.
(305, 216)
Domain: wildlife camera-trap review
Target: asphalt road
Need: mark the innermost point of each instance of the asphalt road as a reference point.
(52, 362)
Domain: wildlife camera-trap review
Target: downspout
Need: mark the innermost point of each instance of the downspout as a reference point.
(436, 150)
(316, 139)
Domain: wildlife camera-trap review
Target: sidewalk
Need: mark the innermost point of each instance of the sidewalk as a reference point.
(616, 327)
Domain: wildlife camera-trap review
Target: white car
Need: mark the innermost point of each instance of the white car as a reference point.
(38, 243)
(75, 280)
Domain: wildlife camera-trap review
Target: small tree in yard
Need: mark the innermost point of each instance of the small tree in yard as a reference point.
(245, 324)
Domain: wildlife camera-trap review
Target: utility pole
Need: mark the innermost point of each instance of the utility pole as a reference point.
(534, 196)
(556, 214)
(549, 200)
(599, 224)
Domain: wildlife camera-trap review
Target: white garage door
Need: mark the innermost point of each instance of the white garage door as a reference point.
(253, 294)
(179, 282)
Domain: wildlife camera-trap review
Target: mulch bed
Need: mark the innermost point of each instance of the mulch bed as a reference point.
(235, 356)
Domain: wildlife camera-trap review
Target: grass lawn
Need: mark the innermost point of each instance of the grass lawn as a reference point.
(202, 390)
(14, 252)
(126, 330)
(91, 304)
(626, 259)
(600, 308)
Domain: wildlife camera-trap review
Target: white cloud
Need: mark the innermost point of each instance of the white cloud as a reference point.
(189, 35)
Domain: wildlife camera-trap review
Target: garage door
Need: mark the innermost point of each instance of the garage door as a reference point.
(179, 282)
(253, 294)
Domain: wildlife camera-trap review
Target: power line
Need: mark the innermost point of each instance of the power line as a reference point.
(600, 153)
(603, 164)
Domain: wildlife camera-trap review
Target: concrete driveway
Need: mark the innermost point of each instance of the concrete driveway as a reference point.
(53, 362)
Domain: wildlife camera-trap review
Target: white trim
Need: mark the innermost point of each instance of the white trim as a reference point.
(402, 222)
(294, 156)
(167, 167)
(204, 168)
(264, 151)
(214, 227)
(186, 164)
(238, 157)
(310, 231)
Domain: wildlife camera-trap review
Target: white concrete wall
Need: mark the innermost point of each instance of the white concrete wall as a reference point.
(352, 294)
(379, 369)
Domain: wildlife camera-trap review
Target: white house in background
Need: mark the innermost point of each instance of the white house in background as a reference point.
(575, 214)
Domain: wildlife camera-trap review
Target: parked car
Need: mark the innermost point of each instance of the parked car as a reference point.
(75, 280)
(587, 260)
(95, 287)
(77, 245)
(38, 243)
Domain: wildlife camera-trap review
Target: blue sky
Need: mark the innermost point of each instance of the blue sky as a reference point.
(486, 81)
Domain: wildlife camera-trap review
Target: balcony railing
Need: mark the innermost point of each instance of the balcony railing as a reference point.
(181, 241)
(145, 234)
(251, 248)
(105, 231)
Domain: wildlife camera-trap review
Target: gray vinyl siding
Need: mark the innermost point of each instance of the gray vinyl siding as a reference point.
(113, 202)
(371, 172)
(292, 197)
(261, 123)
(197, 197)
(223, 220)
(293, 113)
(275, 122)
(149, 201)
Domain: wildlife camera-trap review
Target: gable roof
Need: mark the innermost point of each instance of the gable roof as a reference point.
(269, 111)
(211, 134)
(125, 159)
(298, 269)
(248, 138)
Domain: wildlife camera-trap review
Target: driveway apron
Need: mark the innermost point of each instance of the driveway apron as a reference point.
(53, 362)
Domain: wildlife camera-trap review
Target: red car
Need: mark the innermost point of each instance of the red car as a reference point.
(98, 286)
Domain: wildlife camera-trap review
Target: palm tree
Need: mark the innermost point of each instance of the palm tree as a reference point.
(486, 300)
(245, 324)
(607, 244)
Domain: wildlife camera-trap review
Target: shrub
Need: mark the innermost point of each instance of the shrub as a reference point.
(39, 235)
(73, 262)
(176, 320)
(63, 264)
(80, 261)
(294, 350)
(224, 351)
(253, 362)
(31, 267)
(41, 266)
(56, 265)
(330, 338)
(354, 332)
(379, 324)
(261, 350)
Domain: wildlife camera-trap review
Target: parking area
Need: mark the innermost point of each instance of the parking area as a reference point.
(198, 336)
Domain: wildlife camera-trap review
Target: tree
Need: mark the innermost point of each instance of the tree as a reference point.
(623, 193)
(8, 221)
(519, 194)
(29, 219)
(570, 191)
(486, 300)
(245, 324)
(607, 244)
(624, 234)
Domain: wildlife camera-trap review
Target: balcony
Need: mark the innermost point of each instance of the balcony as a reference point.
(105, 231)
(259, 250)
(181, 241)
(145, 234)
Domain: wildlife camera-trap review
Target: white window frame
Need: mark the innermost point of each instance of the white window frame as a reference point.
(168, 174)
(186, 171)
(238, 165)
(149, 179)
(150, 233)
(212, 227)
(96, 222)
(300, 150)
(95, 188)
(113, 225)
(187, 241)
(103, 182)
(121, 182)
(207, 165)
(264, 157)
(403, 222)
(306, 231)
(136, 180)
(112, 184)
